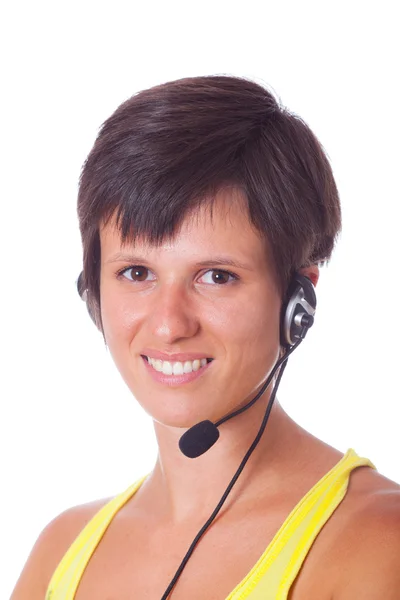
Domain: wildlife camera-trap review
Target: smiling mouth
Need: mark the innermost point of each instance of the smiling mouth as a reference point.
(177, 367)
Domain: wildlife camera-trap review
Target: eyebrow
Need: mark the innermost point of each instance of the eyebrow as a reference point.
(217, 261)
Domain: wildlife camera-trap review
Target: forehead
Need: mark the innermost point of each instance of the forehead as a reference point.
(220, 225)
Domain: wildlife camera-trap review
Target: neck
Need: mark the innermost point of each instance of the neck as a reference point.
(184, 488)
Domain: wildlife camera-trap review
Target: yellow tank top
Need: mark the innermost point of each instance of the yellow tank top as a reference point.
(273, 574)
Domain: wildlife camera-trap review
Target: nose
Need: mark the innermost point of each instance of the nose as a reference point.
(173, 315)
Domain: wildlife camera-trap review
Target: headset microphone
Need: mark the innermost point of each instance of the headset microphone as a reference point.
(296, 318)
(202, 436)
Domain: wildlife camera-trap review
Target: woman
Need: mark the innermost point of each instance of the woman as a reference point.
(205, 211)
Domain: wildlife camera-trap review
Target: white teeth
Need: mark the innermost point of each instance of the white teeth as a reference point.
(167, 368)
(177, 368)
(187, 367)
(157, 364)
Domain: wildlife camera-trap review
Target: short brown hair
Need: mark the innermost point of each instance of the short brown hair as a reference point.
(172, 147)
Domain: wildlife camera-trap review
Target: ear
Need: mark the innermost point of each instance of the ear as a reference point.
(311, 272)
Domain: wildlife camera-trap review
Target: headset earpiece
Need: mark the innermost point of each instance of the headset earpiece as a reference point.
(80, 286)
(298, 310)
(83, 293)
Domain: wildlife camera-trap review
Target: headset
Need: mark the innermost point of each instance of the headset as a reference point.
(296, 318)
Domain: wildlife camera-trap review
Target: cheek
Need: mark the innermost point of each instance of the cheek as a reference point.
(249, 318)
(119, 321)
(250, 330)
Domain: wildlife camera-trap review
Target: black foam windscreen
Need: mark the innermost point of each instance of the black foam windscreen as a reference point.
(198, 439)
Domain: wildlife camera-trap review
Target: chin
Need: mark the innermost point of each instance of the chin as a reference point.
(178, 414)
(177, 421)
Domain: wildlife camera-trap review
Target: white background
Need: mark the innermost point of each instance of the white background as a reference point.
(70, 429)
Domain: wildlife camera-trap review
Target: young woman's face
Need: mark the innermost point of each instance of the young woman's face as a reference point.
(186, 296)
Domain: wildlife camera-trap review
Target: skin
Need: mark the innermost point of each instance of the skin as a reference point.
(176, 306)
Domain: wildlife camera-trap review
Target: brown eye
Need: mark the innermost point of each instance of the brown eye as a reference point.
(220, 277)
(137, 273)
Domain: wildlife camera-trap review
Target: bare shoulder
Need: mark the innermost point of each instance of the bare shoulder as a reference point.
(368, 545)
(50, 547)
